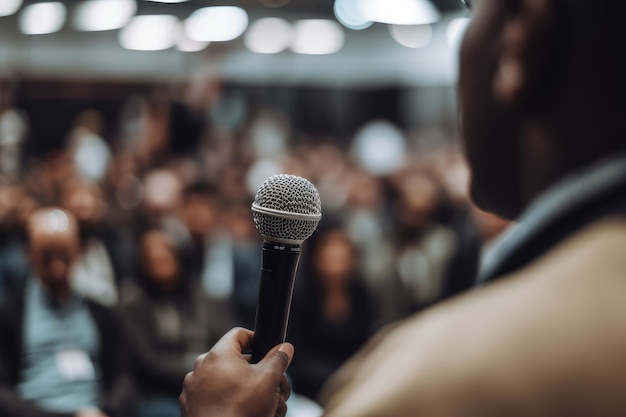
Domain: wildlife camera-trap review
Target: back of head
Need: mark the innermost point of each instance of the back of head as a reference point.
(542, 92)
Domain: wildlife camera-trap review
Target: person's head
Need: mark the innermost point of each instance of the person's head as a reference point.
(239, 223)
(366, 191)
(201, 209)
(541, 92)
(85, 201)
(333, 256)
(418, 200)
(163, 193)
(159, 261)
(53, 246)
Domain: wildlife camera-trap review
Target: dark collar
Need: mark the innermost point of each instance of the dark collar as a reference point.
(572, 204)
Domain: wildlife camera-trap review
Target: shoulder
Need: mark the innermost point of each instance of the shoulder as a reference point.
(547, 341)
(12, 299)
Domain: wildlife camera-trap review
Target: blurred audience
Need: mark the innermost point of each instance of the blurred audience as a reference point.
(332, 310)
(162, 204)
(16, 205)
(226, 253)
(168, 323)
(246, 255)
(13, 132)
(423, 246)
(87, 148)
(93, 275)
(159, 227)
(369, 225)
(61, 355)
(211, 258)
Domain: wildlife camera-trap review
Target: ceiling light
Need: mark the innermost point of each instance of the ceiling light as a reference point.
(149, 33)
(317, 37)
(167, 1)
(216, 24)
(184, 44)
(400, 12)
(269, 36)
(98, 15)
(412, 36)
(348, 12)
(42, 18)
(9, 7)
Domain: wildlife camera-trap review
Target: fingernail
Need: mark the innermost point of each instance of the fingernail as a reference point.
(287, 349)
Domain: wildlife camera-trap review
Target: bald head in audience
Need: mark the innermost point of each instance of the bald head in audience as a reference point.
(53, 246)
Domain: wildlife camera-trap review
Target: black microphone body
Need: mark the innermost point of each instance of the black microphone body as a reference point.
(278, 273)
(286, 210)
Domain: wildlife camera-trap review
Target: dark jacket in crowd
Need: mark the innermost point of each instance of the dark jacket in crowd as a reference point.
(165, 333)
(323, 346)
(115, 385)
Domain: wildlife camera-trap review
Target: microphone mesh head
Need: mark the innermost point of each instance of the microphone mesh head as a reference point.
(287, 208)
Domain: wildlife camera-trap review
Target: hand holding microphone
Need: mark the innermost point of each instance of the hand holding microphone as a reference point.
(223, 382)
(286, 210)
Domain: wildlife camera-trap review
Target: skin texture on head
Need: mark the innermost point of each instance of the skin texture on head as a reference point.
(53, 247)
(540, 93)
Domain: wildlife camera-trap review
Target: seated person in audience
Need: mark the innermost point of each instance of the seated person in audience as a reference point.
(332, 313)
(226, 252)
(15, 206)
(60, 354)
(93, 274)
(168, 322)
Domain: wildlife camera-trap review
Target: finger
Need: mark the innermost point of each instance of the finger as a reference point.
(199, 361)
(278, 359)
(187, 382)
(281, 411)
(237, 339)
(182, 401)
(285, 388)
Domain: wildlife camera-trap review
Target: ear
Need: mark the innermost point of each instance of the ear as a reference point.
(528, 39)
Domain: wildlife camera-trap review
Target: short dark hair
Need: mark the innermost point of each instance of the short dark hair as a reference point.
(203, 188)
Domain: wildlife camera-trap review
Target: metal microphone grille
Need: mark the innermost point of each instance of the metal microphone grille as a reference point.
(287, 209)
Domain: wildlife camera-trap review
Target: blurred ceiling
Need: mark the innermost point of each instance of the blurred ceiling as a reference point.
(298, 8)
(369, 57)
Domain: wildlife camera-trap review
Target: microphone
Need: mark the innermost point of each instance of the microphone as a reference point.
(286, 211)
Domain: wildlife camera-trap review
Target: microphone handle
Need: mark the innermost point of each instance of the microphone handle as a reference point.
(278, 272)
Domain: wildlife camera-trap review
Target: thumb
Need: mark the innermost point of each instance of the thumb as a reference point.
(278, 359)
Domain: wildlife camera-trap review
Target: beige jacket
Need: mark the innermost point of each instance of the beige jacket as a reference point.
(549, 340)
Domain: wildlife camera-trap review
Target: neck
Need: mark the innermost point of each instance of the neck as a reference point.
(59, 296)
(579, 123)
(335, 289)
(549, 157)
(541, 164)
